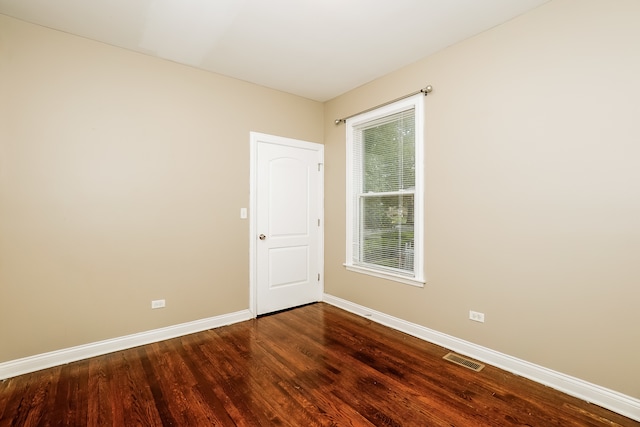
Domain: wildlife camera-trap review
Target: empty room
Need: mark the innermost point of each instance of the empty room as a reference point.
(287, 212)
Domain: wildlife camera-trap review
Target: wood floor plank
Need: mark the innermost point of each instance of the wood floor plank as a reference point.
(69, 403)
(28, 404)
(381, 367)
(315, 365)
(294, 379)
(219, 403)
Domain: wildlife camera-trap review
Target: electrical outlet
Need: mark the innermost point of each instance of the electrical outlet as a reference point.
(157, 303)
(476, 316)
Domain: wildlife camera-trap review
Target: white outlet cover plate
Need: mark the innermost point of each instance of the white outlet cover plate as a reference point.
(159, 303)
(476, 316)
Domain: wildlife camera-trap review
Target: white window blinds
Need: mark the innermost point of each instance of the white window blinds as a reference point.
(383, 193)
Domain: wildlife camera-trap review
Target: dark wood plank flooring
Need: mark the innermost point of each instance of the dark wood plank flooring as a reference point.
(312, 366)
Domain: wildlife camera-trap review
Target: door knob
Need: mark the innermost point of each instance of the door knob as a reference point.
(262, 237)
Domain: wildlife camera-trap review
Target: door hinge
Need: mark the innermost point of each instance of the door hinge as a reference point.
(318, 222)
(318, 277)
(319, 165)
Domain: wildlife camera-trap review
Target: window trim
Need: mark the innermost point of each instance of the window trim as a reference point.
(417, 103)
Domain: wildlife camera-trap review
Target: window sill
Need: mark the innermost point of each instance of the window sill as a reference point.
(384, 275)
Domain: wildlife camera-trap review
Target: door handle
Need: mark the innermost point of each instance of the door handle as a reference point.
(262, 237)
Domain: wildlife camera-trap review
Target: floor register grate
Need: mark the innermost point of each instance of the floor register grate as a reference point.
(463, 361)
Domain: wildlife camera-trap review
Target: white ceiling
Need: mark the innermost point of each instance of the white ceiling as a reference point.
(317, 49)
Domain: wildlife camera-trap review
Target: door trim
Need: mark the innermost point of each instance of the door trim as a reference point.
(254, 139)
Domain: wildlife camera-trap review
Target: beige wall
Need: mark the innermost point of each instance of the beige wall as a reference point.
(532, 191)
(121, 181)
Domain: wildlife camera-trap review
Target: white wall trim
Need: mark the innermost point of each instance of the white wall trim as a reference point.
(609, 399)
(25, 365)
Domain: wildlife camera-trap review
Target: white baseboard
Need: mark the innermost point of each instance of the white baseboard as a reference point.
(609, 399)
(25, 365)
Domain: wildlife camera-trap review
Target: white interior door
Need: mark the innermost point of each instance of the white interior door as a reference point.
(287, 238)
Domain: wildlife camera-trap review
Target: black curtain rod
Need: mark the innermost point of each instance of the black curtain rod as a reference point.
(425, 90)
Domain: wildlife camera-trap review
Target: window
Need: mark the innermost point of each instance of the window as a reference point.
(384, 192)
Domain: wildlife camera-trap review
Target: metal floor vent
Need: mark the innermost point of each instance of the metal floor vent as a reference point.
(463, 361)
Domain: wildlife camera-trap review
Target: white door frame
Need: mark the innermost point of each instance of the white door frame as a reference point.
(255, 137)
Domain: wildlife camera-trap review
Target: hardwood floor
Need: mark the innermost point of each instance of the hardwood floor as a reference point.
(312, 366)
